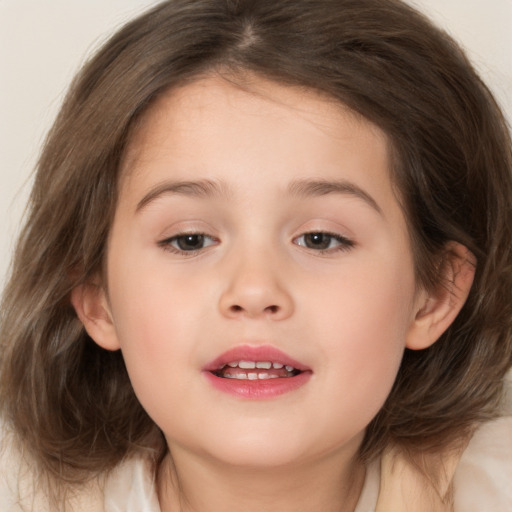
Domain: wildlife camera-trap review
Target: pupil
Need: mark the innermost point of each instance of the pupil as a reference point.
(317, 240)
(190, 242)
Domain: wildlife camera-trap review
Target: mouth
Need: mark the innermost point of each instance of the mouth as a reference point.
(256, 372)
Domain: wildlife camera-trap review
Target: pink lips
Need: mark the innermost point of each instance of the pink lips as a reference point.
(256, 389)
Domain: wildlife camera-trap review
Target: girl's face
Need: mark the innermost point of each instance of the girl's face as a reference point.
(259, 226)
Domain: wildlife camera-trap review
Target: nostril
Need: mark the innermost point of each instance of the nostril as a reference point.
(235, 308)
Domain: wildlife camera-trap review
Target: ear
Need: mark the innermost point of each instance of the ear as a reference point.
(93, 310)
(435, 311)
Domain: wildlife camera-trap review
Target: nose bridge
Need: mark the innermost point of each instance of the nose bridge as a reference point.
(255, 285)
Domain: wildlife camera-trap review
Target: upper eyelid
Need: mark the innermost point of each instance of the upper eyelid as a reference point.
(334, 234)
(167, 244)
(174, 233)
(167, 239)
(323, 232)
(343, 238)
(186, 232)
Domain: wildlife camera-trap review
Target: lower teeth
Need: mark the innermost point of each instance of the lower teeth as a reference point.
(251, 376)
(255, 376)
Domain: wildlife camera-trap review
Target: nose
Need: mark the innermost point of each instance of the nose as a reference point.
(255, 289)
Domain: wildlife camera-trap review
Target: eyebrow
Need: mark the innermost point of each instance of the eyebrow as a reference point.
(201, 188)
(301, 188)
(319, 187)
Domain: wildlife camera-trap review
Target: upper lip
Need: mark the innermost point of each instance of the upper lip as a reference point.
(254, 353)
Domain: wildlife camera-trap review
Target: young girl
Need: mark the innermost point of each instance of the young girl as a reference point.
(266, 267)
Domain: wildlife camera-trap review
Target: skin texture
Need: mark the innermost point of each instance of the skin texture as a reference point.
(346, 312)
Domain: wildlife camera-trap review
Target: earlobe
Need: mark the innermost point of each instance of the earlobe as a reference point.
(437, 310)
(92, 308)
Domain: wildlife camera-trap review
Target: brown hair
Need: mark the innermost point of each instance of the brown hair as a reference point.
(71, 402)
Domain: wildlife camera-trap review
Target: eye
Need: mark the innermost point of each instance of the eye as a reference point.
(187, 243)
(324, 242)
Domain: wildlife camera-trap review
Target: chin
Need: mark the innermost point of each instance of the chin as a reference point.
(257, 458)
(266, 450)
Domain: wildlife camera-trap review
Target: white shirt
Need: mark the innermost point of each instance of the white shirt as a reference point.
(482, 480)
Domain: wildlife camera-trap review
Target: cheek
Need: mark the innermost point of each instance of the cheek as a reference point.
(159, 313)
(364, 320)
(150, 303)
(150, 331)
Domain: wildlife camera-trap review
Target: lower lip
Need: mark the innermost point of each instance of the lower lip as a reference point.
(262, 389)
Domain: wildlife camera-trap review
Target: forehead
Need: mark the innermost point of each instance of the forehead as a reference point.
(266, 130)
(187, 116)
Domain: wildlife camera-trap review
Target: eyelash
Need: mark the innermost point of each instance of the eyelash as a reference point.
(344, 244)
(167, 244)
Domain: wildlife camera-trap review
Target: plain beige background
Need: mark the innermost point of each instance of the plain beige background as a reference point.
(42, 44)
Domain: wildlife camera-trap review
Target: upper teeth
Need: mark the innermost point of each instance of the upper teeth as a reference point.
(266, 365)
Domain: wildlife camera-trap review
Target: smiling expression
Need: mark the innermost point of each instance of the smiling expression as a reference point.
(259, 226)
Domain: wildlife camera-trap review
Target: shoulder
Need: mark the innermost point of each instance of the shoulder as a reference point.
(483, 477)
(21, 489)
(130, 486)
(17, 476)
(9, 462)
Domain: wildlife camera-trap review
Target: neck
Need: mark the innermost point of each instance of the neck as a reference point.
(189, 483)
